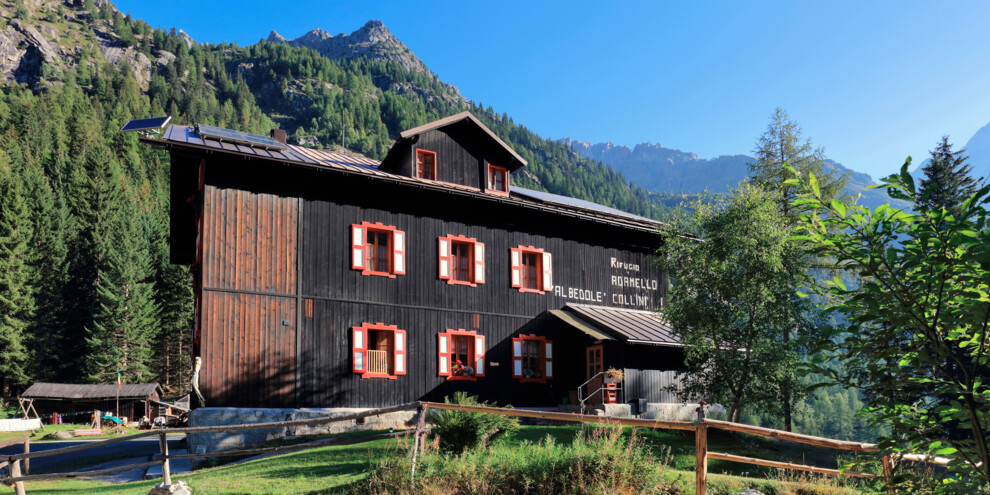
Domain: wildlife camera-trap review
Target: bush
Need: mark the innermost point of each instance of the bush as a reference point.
(458, 431)
(599, 460)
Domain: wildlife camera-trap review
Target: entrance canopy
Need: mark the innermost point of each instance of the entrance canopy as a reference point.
(627, 325)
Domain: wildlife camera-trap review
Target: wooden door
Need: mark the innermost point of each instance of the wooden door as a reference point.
(595, 362)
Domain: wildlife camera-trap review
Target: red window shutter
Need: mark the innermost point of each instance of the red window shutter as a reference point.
(516, 264)
(359, 342)
(357, 247)
(547, 272)
(517, 358)
(479, 355)
(444, 260)
(443, 354)
(479, 263)
(398, 252)
(400, 352)
(548, 359)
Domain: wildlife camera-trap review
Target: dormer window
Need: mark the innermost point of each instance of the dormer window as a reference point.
(498, 180)
(426, 164)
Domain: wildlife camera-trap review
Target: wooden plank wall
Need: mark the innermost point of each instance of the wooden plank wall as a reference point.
(456, 163)
(248, 306)
(651, 385)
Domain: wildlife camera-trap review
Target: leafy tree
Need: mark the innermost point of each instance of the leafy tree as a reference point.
(733, 297)
(947, 181)
(917, 323)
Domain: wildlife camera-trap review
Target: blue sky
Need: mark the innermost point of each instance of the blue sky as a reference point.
(872, 82)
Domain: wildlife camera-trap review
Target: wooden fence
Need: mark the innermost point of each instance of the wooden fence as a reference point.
(700, 427)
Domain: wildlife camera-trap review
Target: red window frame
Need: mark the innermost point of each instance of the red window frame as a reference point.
(360, 337)
(544, 348)
(446, 260)
(518, 272)
(446, 354)
(360, 249)
(504, 172)
(421, 164)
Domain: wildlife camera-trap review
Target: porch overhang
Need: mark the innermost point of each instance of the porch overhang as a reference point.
(580, 325)
(627, 325)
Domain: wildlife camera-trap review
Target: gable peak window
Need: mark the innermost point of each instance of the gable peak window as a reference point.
(498, 180)
(378, 249)
(531, 269)
(378, 350)
(461, 260)
(426, 164)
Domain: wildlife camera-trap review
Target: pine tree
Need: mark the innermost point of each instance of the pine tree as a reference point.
(947, 181)
(16, 298)
(125, 324)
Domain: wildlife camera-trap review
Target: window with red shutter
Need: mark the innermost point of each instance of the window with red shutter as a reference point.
(461, 260)
(378, 249)
(532, 358)
(460, 354)
(378, 351)
(531, 269)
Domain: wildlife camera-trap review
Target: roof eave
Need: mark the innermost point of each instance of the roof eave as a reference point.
(453, 119)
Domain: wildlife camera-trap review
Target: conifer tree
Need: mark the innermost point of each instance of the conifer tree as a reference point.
(125, 324)
(16, 298)
(947, 181)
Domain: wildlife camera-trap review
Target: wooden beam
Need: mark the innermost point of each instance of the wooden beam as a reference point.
(82, 474)
(785, 465)
(577, 418)
(793, 437)
(292, 448)
(15, 472)
(701, 460)
(14, 441)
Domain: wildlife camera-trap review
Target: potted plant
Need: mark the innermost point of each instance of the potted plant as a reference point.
(613, 375)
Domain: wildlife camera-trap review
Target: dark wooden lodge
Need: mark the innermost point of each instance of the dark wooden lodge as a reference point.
(332, 280)
(136, 400)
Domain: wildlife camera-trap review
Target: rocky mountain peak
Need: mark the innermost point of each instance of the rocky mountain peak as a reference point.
(372, 40)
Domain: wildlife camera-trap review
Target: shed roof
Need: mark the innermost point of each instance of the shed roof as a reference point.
(70, 391)
(630, 325)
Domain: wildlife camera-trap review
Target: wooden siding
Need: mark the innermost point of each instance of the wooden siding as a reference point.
(250, 241)
(456, 162)
(248, 303)
(651, 385)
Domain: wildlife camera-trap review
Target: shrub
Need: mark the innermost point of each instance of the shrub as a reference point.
(599, 460)
(458, 431)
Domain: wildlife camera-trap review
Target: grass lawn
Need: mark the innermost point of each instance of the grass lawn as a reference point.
(36, 435)
(330, 469)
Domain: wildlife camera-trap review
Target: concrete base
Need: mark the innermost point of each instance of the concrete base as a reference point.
(678, 411)
(204, 443)
(177, 488)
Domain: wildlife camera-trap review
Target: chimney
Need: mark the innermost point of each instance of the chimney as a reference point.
(279, 135)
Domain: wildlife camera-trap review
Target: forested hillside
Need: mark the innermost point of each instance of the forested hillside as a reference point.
(85, 283)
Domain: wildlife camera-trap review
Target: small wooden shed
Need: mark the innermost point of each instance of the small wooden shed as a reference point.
(67, 398)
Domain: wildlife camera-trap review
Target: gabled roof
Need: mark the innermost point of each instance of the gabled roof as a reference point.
(70, 391)
(629, 325)
(186, 137)
(453, 119)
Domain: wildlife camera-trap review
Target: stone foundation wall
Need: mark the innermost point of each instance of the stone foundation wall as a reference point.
(204, 443)
(678, 411)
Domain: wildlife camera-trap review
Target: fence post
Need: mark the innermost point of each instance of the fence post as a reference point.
(888, 471)
(163, 444)
(701, 452)
(15, 472)
(417, 440)
(27, 450)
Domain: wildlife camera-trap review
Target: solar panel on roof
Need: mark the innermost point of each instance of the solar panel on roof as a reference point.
(240, 137)
(145, 124)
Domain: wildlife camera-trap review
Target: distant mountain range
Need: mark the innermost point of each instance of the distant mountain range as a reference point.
(669, 170)
(977, 149)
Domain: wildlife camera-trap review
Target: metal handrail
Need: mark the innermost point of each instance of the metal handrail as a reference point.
(580, 389)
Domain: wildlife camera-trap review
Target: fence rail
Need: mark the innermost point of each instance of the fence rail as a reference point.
(700, 427)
